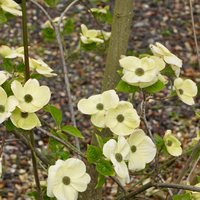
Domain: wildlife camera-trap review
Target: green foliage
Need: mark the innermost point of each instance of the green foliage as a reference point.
(63, 155)
(100, 141)
(172, 92)
(120, 72)
(72, 131)
(7, 87)
(156, 87)
(49, 34)
(125, 87)
(3, 18)
(109, 18)
(9, 125)
(104, 167)
(96, 2)
(35, 76)
(158, 140)
(198, 179)
(168, 71)
(7, 65)
(56, 114)
(20, 67)
(88, 47)
(166, 153)
(186, 196)
(68, 27)
(101, 181)
(49, 2)
(46, 109)
(93, 153)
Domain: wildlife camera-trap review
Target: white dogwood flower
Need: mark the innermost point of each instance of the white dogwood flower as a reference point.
(139, 72)
(123, 119)
(89, 36)
(186, 90)
(97, 106)
(11, 7)
(3, 76)
(118, 152)
(172, 145)
(66, 179)
(32, 96)
(7, 105)
(24, 120)
(143, 150)
(161, 51)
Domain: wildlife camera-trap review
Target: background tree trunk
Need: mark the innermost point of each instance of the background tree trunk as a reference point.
(122, 18)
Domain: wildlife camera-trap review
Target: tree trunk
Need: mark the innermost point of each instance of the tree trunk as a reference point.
(122, 18)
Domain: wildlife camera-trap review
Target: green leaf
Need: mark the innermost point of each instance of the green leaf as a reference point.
(105, 168)
(168, 71)
(35, 76)
(49, 34)
(96, 2)
(9, 125)
(63, 155)
(68, 27)
(93, 153)
(7, 87)
(186, 196)
(109, 18)
(56, 114)
(100, 141)
(49, 2)
(9, 15)
(46, 109)
(7, 65)
(198, 178)
(101, 181)
(2, 17)
(144, 55)
(72, 131)
(107, 139)
(166, 153)
(125, 87)
(20, 67)
(88, 47)
(120, 72)
(156, 87)
(158, 140)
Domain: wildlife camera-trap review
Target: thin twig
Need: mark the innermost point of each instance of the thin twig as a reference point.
(118, 183)
(9, 140)
(21, 138)
(195, 37)
(68, 145)
(66, 9)
(161, 178)
(44, 11)
(56, 28)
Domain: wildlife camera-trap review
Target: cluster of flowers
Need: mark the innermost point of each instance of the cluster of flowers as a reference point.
(107, 111)
(35, 65)
(146, 71)
(21, 106)
(90, 36)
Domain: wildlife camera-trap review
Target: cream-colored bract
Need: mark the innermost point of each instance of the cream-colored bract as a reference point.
(186, 90)
(118, 152)
(11, 7)
(5, 50)
(41, 67)
(161, 51)
(66, 179)
(143, 150)
(97, 106)
(24, 120)
(139, 72)
(89, 36)
(3, 76)
(31, 96)
(172, 145)
(123, 119)
(7, 105)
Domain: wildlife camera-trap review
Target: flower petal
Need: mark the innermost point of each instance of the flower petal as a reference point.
(3, 96)
(136, 137)
(130, 63)
(109, 147)
(110, 99)
(136, 162)
(98, 119)
(189, 88)
(18, 90)
(87, 107)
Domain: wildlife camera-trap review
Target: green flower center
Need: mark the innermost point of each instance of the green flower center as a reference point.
(24, 114)
(139, 72)
(118, 157)
(169, 143)
(133, 149)
(180, 91)
(28, 98)
(120, 118)
(99, 106)
(2, 109)
(66, 180)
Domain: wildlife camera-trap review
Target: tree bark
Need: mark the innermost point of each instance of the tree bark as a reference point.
(122, 18)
